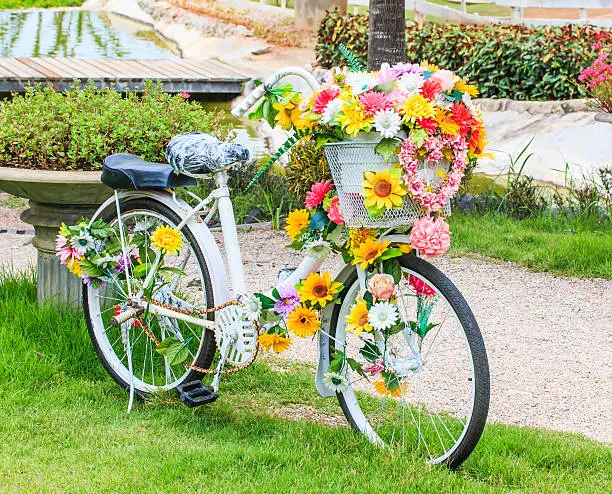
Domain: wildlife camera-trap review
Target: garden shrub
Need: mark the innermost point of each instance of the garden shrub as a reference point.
(77, 129)
(307, 165)
(517, 62)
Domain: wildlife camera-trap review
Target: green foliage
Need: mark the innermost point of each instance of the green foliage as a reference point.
(307, 165)
(26, 4)
(352, 61)
(517, 62)
(77, 129)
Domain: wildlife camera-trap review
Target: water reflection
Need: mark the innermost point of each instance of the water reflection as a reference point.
(78, 34)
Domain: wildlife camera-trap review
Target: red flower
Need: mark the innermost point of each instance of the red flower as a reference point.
(431, 89)
(463, 118)
(420, 287)
(317, 194)
(323, 98)
(599, 36)
(429, 124)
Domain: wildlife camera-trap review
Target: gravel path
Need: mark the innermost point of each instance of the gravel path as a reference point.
(549, 339)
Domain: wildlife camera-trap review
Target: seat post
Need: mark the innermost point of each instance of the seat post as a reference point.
(230, 236)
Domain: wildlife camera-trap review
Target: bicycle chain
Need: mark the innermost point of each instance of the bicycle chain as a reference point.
(202, 312)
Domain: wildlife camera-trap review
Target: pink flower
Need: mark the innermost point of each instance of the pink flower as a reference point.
(431, 237)
(385, 74)
(381, 286)
(420, 287)
(185, 95)
(323, 98)
(445, 78)
(373, 102)
(400, 69)
(65, 251)
(334, 212)
(598, 46)
(317, 194)
(375, 368)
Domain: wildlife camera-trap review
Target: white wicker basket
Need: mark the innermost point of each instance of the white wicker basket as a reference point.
(348, 161)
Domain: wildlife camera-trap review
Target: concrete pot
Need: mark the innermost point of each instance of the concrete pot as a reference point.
(603, 117)
(54, 197)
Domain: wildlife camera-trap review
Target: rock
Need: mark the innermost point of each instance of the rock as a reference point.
(255, 216)
(262, 51)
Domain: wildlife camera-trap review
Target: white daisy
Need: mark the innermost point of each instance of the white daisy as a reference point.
(382, 315)
(319, 249)
(105, 259)
(252, 308)
(144, 225)
(335, 382)
(82, 242)
(331, 111)
(360, 82)
(387, 122)
(410, 83)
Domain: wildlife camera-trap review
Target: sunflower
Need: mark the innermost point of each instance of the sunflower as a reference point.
(383, 189)
(167, 239)
(381, 387)
(318, 289)
(417, 106)
(368, 252)
(446, 123)
(354, 119)
(303, 321)
(275, 342)
(357, 236)
(357, 320)
(297, 220)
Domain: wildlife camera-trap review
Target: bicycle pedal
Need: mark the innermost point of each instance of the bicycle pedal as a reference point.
(196, 393)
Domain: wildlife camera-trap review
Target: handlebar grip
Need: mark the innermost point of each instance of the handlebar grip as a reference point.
(124, 316)
(249, 101)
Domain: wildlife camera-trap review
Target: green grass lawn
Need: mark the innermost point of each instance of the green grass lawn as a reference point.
(26, 4)
(63, 427)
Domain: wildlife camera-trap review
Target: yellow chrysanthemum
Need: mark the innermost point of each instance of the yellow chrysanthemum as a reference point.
(447, 125)
(357, 320)
(297, 221)
(319, 289)
(368, 252)
(354, 119)
(74, 266)
(275, 342)
(417, 106)
(429, 66)
(383, 189)
(464, 87)
(167, 239)
(381, 387)
(303, 321)
(357, 236)
(403, 248)
(290, 115)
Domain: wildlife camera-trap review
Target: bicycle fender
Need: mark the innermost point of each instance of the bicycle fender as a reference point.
(201, 232)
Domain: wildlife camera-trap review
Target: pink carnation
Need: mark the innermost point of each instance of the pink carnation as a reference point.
(323, 98)
(334, 212)
(317, 194)
(431, 237)
(373, 102)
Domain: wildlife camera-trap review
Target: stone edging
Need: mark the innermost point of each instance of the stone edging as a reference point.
(534, 107)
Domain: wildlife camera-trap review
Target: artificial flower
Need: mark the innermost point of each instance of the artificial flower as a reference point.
(382, 286)
(323, 99)
(318, 249)
(445, 78)
(446, 122)
(410, 83)
(462, 116)
(382, 316)
(316, 194)
(82, 242)
(331, 111)
(383, 189)
(374, 101)
(335, 382)
(360, 82)
(74, 266)
(382, 388)
(252, 308)
(354, 119)
(319, 289)
(124, 261)
(375, 367)
(274, 341)
(288, 301)
(431, 89)
(417, 107)
(358, 236)
(334, 211)
(368, 252)
(431, 237)
(167, 239)
(388, 123)
(400, 69)
(420, 287)
(65, 251)
(297, 220)
(144, 225)
(303, 321)
(357, 318)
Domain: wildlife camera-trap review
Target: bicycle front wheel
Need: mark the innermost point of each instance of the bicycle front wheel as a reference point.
(439, 408)
(184, 283)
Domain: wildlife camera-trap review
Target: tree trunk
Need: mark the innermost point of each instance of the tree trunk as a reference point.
(387, 33)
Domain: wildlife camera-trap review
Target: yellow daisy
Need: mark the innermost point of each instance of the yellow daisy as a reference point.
(354, 119)
(297, 221)
(417, 107)
(429, 66)
(383, 189)
(303, 321)
(167, 239)
(368, 252)
(357, 320)
(319, 289)
(74, 266)
(357, 236)
(447, 125)
(381, 387)
(275, 342)
(290, 115)
(464, 87)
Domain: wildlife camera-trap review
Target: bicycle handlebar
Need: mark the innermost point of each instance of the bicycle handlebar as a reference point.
(254, 96)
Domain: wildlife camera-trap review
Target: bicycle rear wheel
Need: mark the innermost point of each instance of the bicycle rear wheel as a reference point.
(190, 283)
(441, 409)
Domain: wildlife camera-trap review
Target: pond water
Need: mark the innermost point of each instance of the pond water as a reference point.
(79, 34)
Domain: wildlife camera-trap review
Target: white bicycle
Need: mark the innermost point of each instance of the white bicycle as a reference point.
(189, 297)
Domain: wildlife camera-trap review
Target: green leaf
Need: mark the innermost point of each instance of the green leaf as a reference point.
(370, 351)
(258, 112)
(386, 87)
(418, 137)
(146, 254)
(141, 270)
(369, 300)
(269, 113)
(174, 270)
(173, 349)
(387, 146)
(90, 269)
(374, 211)
(390, 253)
(318, 220)
(396, 328)
(337, 362)
(266, 302)
(356, 366)
(335, 236)
(393, 268)
(275, 294)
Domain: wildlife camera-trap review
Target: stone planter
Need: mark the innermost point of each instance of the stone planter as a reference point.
(54, 197)
(604, 117)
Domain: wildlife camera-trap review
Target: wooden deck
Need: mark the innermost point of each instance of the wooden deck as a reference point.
(198, 77)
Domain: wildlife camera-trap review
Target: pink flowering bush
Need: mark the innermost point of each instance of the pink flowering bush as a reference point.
(598, 79)
(431, 237)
